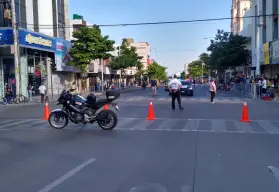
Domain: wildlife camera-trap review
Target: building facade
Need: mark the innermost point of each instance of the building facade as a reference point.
(238, 10)
(186, 69)
(42, 35)
(263, 31)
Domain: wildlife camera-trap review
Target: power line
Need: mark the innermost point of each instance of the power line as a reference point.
(161, 22)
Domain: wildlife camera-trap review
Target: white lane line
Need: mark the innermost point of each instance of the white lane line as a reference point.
(67, 176)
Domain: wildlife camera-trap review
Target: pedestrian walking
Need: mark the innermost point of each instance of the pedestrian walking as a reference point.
(212, 90)
(154, 87)
(42, 90)
(174, 89)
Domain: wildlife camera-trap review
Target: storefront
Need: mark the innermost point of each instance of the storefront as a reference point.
(35, 50)
(274, 57)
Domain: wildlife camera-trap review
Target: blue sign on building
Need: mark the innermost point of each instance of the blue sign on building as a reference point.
(28, 39)
(6, 37)
(36, 40)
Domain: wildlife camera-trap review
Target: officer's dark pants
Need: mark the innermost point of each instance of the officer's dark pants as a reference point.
(175, 95)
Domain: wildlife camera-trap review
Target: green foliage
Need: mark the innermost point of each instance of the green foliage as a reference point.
(227, 51)
(196, 69)
(156, 71)
(182, 75)
(128, 57)
(89, 44)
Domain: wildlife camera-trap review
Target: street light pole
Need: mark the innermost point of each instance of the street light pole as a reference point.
(16, 51)
(202, 73)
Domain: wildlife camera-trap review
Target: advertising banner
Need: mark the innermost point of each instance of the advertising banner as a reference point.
(274, 52)
(62, 56)
(266, 53)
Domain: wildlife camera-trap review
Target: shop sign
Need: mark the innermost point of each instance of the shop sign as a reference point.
(274, 52)
(6, 37)
(266, 53)
(38, 40)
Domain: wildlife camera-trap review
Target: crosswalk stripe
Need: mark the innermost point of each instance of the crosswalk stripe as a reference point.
(167, 124)
(141, 126)
(191, 125)
(244, 127)
(14, 123)
(218, 126)
(271, 128)
(161, 124)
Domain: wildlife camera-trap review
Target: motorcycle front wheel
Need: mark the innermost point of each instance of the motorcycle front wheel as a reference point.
(107, 120)
(58, 120)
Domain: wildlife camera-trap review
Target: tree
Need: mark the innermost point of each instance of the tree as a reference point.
(156, 71)
(196, 69)
(127, 57)
(89, 44)
(182, 75)
(205, 58)
(227, 51)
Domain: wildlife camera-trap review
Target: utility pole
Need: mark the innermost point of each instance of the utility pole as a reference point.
(102, 71)
(16, 51)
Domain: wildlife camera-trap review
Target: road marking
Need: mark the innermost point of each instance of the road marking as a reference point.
(269, 127)
(218, 126)
(192, 125)
(67, 175)
(243, 127)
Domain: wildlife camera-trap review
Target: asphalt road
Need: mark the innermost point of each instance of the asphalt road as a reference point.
(203, 148)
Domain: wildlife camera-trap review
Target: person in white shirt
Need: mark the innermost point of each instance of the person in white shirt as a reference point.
(174, 88)
(212, 90)
(42, 90)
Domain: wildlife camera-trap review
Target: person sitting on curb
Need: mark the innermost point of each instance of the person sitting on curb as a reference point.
(9, 96)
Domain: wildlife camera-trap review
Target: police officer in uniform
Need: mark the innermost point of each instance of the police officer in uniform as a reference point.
(174, 88)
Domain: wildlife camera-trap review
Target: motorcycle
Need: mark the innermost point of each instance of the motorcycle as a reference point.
(80, 110)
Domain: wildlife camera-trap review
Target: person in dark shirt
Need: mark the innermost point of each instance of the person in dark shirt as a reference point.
(9, 95)
(154, 87)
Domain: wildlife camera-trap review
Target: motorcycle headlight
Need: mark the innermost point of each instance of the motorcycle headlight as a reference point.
(190, 88)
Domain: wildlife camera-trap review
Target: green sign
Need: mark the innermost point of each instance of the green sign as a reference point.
(76, 16)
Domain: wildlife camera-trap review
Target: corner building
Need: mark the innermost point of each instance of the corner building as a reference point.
(43, 40)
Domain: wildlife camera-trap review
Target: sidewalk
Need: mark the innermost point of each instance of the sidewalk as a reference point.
(37, 99)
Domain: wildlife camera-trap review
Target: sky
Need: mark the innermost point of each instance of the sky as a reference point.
(173, 45)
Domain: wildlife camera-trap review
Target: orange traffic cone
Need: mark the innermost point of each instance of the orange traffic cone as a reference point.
(106, 107)
(46, 112)
(245, 116)
(151, 115)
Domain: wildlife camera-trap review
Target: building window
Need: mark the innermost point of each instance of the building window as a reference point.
(264, 21)
(22, 8)
(5, 11)
(36, 15)
(256, 25)
(54, 15)
(275, 19)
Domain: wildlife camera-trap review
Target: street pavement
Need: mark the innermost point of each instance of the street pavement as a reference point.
(202, 148)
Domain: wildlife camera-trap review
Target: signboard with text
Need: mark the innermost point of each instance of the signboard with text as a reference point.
(36, 40)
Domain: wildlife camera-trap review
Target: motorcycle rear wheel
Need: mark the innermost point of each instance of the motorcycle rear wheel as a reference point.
(58, 114)
(107, 119)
